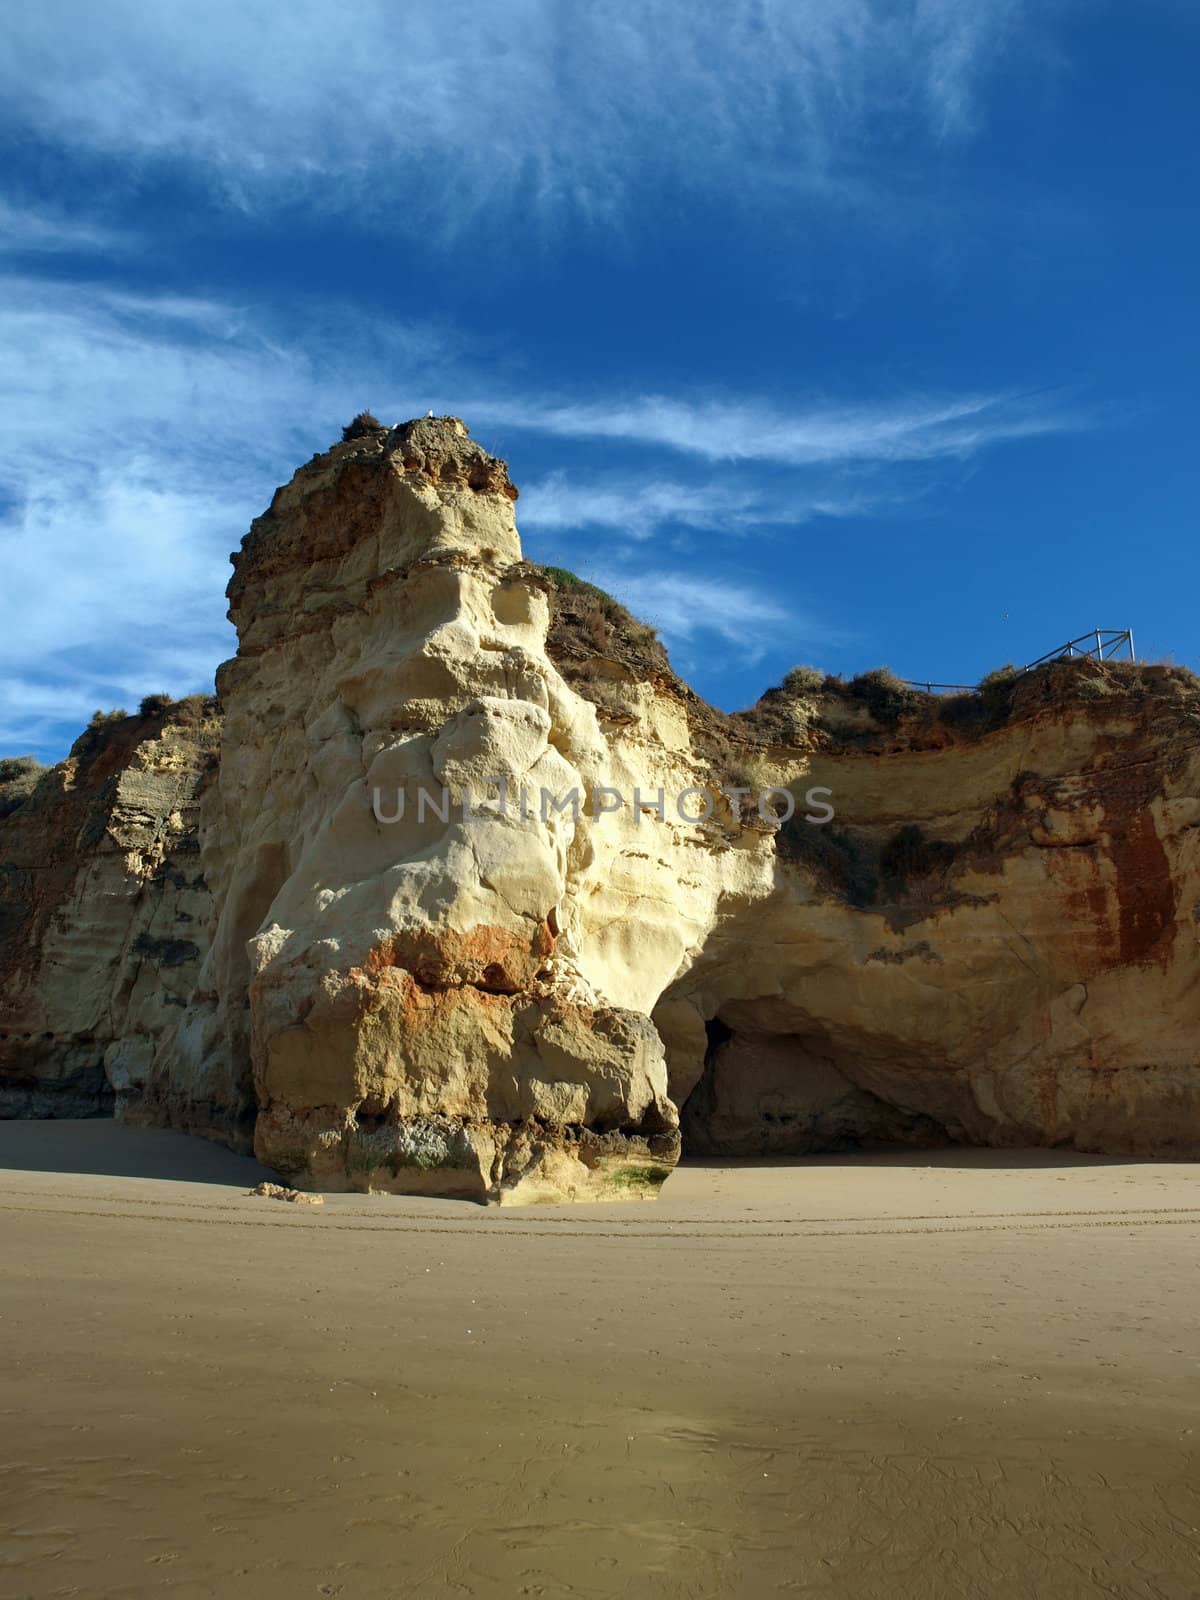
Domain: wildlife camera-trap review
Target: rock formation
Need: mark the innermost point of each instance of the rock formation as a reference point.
(103, 910)
(394, 966)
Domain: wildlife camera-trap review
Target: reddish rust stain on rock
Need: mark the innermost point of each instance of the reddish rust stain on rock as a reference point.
(1146, 895)
(1145, 891)
(420, 1004)
(1088, 924)
(486, 958)
(1133, 887)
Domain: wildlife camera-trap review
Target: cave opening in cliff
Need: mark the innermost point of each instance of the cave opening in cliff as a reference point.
(765, 1091)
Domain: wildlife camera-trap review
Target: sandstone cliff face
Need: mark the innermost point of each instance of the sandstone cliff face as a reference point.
(434, 1003)
(994, 941)
(103, 912)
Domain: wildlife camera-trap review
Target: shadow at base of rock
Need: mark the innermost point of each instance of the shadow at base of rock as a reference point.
(99, 1147)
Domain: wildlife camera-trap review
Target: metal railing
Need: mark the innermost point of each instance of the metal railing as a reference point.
(1100, 644)
(1103, 644)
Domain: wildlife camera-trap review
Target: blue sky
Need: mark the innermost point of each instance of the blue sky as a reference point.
(843, 333)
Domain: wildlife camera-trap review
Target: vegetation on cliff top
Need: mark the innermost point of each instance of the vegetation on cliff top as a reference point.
(191, 710)
(18, 779)
(603, 619)
(562, 579)
(361, 426)
(855, 709)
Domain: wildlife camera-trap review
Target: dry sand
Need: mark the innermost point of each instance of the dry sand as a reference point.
(943, 1376)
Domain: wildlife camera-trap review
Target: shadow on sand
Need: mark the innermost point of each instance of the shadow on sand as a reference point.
(99, 1147)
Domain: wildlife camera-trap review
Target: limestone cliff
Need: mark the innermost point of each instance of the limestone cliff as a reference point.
(995, 942)
(103, 910)
(414, 975)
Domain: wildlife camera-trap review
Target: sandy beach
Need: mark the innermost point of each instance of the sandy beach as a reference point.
(954, 1374)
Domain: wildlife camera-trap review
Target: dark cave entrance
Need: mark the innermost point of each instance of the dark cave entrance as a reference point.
(764, 1092)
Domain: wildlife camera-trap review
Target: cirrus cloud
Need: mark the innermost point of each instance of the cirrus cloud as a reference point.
(142, 431)
(438, 111)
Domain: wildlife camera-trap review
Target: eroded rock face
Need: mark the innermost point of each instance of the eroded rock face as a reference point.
(103, 916)
(417, 1018)
(994, 941)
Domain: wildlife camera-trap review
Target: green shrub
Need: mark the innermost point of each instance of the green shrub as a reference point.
(1001, 680)
(887, 696)
(155, 705)
(363, 425)
(804, 680)
(14, 767)
(19, 777)
(101, 719)
(194, 708)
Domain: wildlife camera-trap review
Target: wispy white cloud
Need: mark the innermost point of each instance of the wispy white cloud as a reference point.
(685, 607)
(637, 507)
(29, 230)
(694, 609)
(140, 433)
(139, 436)
(805, 434)
(438, 111)
(955, 37)
(113, 590)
